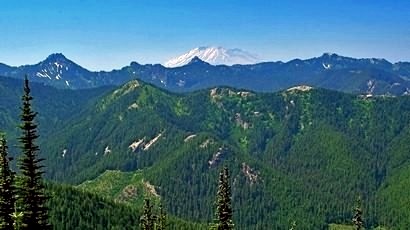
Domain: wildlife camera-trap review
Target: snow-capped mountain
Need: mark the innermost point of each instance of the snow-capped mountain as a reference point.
(55, 70)
(57, 67)
(214, 56)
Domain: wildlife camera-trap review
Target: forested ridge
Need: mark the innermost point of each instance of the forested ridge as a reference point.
(302, 155)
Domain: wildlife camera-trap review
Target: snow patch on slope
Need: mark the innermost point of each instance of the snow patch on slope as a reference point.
(151, 142)
(326, 66)
(302, 88)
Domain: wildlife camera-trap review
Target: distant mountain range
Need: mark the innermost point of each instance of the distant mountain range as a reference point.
(360, 76)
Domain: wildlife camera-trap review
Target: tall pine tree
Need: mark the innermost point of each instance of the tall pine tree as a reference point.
(147, 218)
(293, 225)
(357, 217)
(32, 198)
(223, 215)
(7, 189)
(161, 223)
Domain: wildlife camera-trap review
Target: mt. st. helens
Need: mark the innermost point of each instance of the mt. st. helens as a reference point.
(368, 76)
(214, 56)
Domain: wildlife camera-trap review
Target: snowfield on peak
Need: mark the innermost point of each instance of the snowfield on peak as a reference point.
(214, 56)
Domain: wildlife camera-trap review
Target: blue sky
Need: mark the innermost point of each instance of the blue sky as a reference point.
(110, 34)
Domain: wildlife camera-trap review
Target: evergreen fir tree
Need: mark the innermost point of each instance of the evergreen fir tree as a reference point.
(162, 219)
(147, 218)
(357, 217)
(293, 225)
(7, 189)
(223, 215)
(32, 198)
(17, 217)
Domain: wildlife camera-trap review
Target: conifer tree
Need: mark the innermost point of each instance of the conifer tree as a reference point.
(147, 218)
(357, 217)
(7, 189)
(223, 215)
(32, 198)
(293, 225)
(162, 219)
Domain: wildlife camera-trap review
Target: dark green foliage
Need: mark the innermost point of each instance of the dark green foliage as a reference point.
(71, 208)
(7, 188)
(223, 214)
(357, 217)
(57, 107)
(32, 200)
(148, 218)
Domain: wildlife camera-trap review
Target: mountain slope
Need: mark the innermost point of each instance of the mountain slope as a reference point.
(56, 107)
(74, 208)
(303, 154)
(214, 56)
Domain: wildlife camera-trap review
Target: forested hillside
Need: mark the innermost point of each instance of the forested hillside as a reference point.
(72, 208)
(55, 106)
(301, 155)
